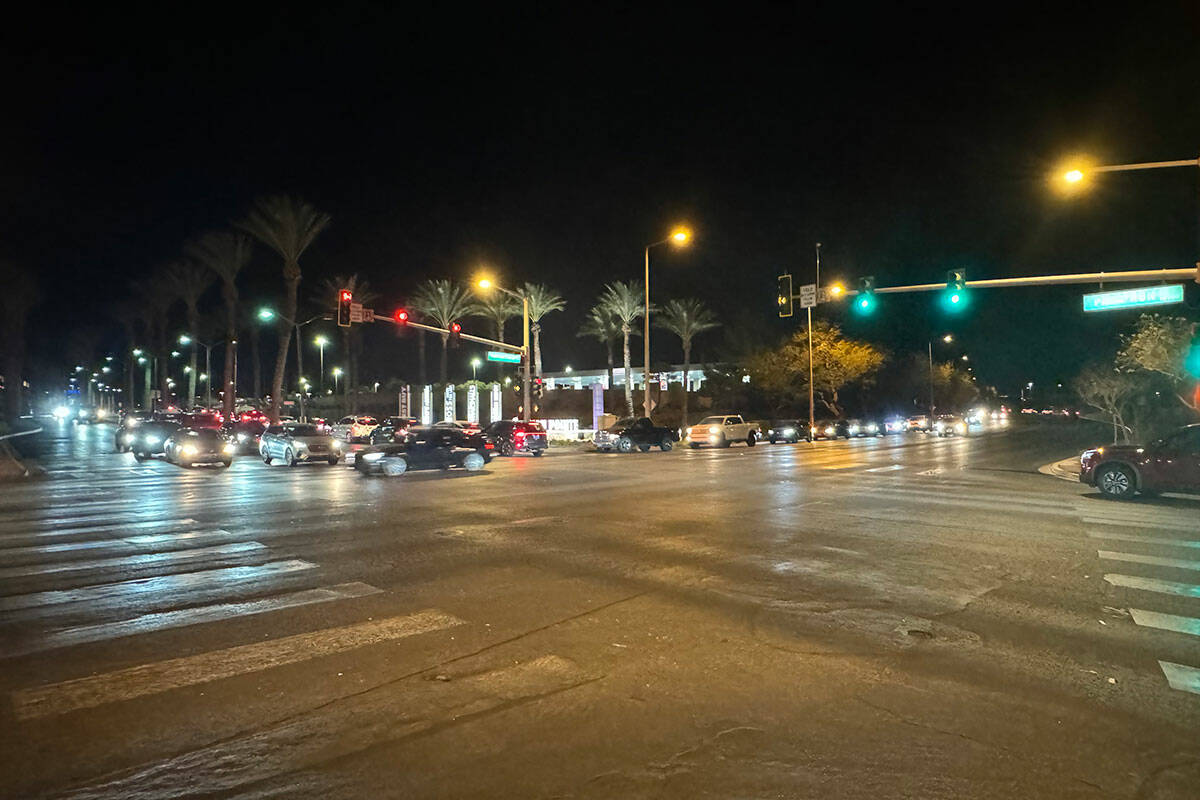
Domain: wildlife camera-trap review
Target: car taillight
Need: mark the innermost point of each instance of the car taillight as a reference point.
(489, 446)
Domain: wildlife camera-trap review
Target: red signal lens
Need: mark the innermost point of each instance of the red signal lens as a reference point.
(400, 316)
(346, 295)
(455, 327)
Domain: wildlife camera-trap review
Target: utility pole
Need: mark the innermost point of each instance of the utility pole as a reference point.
(528, 355)
(812, 423)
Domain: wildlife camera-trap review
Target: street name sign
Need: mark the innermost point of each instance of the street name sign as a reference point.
(808, 295)
(1134, 298)
(824, 295)
(500, 355)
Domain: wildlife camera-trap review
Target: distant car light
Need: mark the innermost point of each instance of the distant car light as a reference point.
(62, 412)
(829, 431)
(853, 429)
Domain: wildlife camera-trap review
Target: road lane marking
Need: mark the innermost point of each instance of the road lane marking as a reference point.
(1153, 585)
(163, 620)
(58, 533)
(1166, 622)
(162, 676)
(127, 543)
(140, 588)
(891, 468)
(1141, 523)
(1157, 561)
(1133, 537)
(146, 560)
(309, 741)
(1181, 677)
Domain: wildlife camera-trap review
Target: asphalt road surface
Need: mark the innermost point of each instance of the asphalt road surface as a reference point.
(909, 617)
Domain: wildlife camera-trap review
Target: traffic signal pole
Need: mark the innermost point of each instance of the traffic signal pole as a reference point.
(1127, 276)
(528, 357)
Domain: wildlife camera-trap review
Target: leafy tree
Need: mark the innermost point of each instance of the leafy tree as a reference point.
(498, 308)
(1160, 344)
(226, 254)
(288, 226)
(1111, 392)
(542, 300)
(604, 328)
(623, 302)
(781, 373)
(686, 319)
(444, 302)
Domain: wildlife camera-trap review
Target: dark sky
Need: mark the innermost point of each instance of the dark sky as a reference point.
(555, 145)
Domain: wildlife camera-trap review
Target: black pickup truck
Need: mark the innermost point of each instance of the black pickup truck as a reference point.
(633, 432)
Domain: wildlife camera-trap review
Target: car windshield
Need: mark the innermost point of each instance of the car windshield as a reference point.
(711, 421)
(621, 424)
(302, 430)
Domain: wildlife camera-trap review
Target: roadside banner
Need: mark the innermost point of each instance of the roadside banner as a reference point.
(449, 407)
(427, 405)
(473, 403)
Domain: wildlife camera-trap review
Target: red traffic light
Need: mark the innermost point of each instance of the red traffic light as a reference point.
(346, 296)
(401, 316)
(455, 327)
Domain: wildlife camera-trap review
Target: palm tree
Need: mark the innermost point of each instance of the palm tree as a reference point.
(604, 328)
(542, 300)
(251, 324)
(498, 308)
(444, 302)
(225, 253)
(127, 313)
(288, 226)
(623, 302)
(327, 297)
(191, 282)
(685, 319)
(160, 295)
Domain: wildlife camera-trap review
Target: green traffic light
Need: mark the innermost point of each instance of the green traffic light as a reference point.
(955, 300)
(865, 304)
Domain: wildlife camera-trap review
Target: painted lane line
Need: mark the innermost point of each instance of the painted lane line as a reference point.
(162, 676)
(58, 533)
(131, 591)
(144, 561)
(187, 616)
(1173, 525)
(309, 742)
(1133, 537)
(1157, 561)
(1181, 677)
(892, 468)
(182, 540)
(1166, 622)
(1153, 585)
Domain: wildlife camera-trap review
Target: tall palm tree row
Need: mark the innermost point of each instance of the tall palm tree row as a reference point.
(624, 303)
(288, 226)
(542, 300)
(225, 253)
(191, 282)
(444, 302)
(604, 328)
(327, 298)
(498, 308)
(686, 319)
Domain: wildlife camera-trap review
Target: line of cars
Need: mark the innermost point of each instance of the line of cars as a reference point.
(394, 445)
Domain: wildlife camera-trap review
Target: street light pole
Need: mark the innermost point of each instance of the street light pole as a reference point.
(528, 356)
(812, 417)
(680, 237)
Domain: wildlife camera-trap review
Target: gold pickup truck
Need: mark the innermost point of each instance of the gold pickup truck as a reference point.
(722, 431)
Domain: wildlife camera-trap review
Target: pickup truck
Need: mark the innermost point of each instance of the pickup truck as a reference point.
(722, 431)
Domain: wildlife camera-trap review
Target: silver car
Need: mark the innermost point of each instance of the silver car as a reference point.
(294, 442)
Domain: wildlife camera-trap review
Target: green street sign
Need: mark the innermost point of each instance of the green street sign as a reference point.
(507, 358)
(1134, 298)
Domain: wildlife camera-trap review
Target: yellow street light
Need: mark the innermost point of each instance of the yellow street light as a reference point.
(1073, 176)
(681, 235)
(836, 289)
(484, 283)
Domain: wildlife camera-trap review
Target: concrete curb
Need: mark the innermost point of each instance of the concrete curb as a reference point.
(1066, 470)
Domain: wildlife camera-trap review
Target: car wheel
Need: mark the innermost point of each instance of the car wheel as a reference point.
(140, 456)
(227, 463)
(506, 449)
(666, 444)
(538, 453)
(751, 440)
(1116, 482)
(771, 439)
(394, 466)
(289, 457)
(624, 445)
(645, 448)
(333, 460)
(265, 456)
(472, 462)
(693, 445)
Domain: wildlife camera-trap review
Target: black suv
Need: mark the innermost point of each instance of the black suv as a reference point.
(392, 429)
(511, 437)
(629, 433)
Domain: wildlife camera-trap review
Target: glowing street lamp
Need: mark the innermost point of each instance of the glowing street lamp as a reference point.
(337, 373)
(485, 283)
(681, 236)
(475, 362)
(320, 342)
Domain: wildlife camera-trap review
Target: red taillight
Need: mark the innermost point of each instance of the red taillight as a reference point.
(489, 446)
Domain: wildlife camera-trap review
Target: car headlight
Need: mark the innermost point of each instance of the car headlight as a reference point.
(132, 422)
(714, 429)
(853, 429)
(101, 414)
(372, 457)
(872, 427)
(189, 450)
(829, 431)
(961, 428)
(335, 444)
(229, 449)
(241, 437)
(127, 438)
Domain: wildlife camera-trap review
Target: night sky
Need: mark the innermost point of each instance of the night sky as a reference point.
(553, 146)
